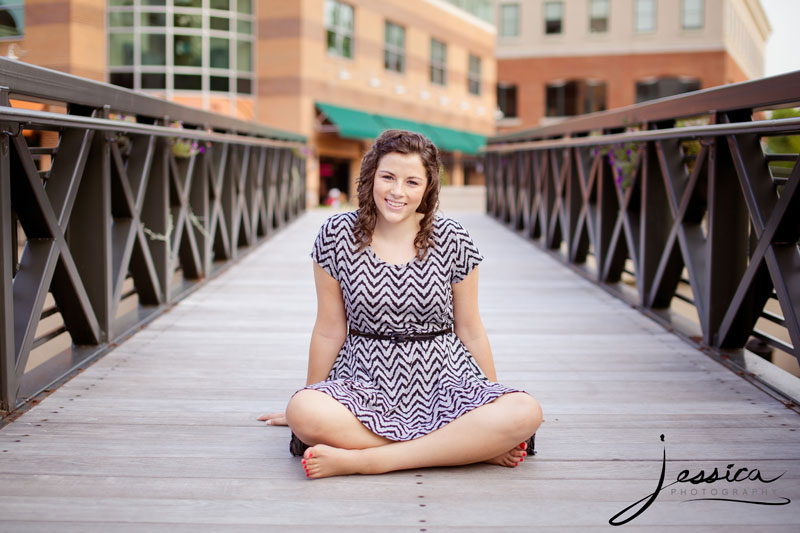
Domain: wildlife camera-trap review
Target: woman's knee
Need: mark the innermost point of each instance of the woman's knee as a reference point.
(525, 412)
(304, 413)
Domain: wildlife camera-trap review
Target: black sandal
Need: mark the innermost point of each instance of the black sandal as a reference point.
(297, 447)
(531, 442)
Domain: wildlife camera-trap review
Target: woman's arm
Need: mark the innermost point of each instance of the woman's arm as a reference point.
(330, 328)
(468, 324)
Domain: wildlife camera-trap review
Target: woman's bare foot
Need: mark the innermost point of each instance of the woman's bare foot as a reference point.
(325, 461)
(511, 458)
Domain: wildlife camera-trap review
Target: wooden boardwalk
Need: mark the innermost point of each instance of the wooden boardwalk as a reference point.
(160, 435)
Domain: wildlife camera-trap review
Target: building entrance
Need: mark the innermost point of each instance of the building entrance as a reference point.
(334, 175)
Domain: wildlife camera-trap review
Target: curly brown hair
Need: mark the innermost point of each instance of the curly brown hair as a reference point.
(403, 142)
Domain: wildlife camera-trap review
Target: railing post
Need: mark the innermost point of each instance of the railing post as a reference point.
(727, 239)
(656, 221)
(89, 233)
(8, 368)
(155, 216)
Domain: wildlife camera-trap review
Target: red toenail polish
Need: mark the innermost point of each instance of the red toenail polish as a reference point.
(524, 454)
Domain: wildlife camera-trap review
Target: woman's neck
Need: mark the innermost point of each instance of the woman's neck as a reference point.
(386, 231)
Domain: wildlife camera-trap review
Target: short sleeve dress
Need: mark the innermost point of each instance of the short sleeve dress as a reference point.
(402, 390)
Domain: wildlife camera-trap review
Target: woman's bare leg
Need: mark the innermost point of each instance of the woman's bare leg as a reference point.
(316, 418)
(502, 425)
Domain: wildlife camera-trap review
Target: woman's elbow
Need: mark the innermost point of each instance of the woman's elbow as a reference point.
(467, 331)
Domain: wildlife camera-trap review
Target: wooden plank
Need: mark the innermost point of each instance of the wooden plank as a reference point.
(161, 433)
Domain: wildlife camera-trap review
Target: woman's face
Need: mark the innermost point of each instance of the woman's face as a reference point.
(399, 186)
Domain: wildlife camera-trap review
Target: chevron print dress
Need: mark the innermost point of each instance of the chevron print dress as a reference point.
(405, 390)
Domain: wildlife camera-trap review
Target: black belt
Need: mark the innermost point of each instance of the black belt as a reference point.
(402, 337)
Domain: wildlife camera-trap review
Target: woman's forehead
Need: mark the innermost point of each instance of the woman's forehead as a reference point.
(410, 164)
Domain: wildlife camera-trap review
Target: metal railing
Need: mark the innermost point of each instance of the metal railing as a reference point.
(652, 195)
(109, 213)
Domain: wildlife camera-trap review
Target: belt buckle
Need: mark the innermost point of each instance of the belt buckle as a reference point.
(399, 337)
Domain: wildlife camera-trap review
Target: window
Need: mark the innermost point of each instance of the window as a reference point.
(644, 16)
(553, 17)
(509, 20)
(598, 16)
(474, 75)
(438, 62)
(394, 48)
(575, 97)
(339, 28)
(663, 87)
(12, 18)
(692, 14)
(507, 99)
(182, 45)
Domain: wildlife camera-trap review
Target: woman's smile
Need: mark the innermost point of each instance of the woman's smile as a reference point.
(395, 205)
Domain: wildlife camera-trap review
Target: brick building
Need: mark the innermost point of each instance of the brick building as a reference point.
(338, 72)
(562, 58)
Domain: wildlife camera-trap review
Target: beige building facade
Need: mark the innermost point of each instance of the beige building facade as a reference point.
(560, 58)
(320, 68)
(326, 61)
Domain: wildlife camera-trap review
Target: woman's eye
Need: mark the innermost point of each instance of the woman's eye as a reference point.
(413, 183)
(388, 178)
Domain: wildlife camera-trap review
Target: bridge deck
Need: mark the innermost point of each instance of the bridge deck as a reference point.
(161, 434)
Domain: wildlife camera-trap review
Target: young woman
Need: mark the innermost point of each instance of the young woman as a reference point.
(400, 372)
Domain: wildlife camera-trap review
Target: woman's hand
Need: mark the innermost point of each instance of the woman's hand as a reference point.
(274, 419)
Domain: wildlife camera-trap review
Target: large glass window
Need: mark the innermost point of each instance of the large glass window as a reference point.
(154, 49)
(575, 97)
(507, 99)
(474, 75)
(692, 14)
(553, 17)
(663, 87)
(181, 45)
(394, 48)
(12, 18)
(598, 16)
(339, 28)
(120, 49)
(438, 62)
(509, 20)
(644, 16)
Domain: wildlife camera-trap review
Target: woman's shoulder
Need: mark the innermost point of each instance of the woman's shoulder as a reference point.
(340, 221)
(447, 227)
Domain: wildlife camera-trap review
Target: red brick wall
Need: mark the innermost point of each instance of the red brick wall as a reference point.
(620, 73)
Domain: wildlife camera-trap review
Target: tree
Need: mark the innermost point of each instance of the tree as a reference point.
(785, 144)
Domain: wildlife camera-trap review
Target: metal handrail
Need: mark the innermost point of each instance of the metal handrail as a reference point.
(116, 200)
(781, 125)
(718, 208)
(28, 118)
(770, 92)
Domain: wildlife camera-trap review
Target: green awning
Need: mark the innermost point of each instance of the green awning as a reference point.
(361, 125)
(452, 140)
(352, 124)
